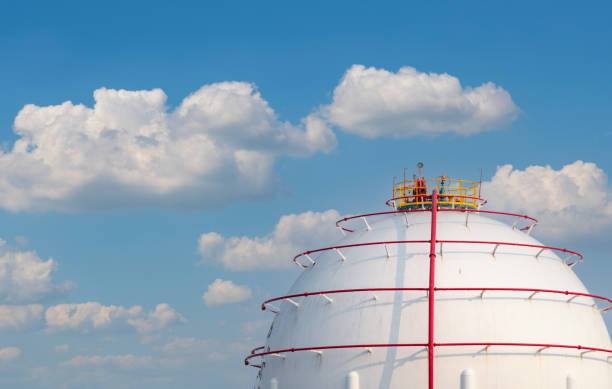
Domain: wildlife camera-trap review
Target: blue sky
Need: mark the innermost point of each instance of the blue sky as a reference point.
(126, 247)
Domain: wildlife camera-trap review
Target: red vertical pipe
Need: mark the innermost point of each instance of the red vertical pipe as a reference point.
(432, 279)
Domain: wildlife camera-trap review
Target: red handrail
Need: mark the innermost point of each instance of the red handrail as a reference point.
(257, 349)
(352, 245)
(246, 360)
(306, 294)
(580, 256)
(377, 345)
(535, 221)
(564, 292)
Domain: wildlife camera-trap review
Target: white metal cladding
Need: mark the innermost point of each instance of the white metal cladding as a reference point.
(392, 317)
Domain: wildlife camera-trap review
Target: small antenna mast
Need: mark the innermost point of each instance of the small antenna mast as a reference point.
(404, 184)
(480, 183)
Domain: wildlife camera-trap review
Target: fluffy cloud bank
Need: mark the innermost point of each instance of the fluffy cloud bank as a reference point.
(93, 315)
(225, 292)
(130, 150)
(24, 276)
(292, 234)
(8, 353)
(573, 200)
(162, 317)
(19, 316)
(375, 102)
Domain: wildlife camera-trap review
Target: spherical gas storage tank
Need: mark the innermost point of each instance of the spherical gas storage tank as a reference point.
(436, 293)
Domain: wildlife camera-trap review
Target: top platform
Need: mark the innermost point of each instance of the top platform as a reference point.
(452, 193)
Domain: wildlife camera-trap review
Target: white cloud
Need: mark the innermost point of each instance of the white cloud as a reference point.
(90, 315)
(131, 150)
(8, 353)
(19, 316)
(93, 315)
(25, 276)
(225, 292)
(292, 234)
(573, 200)
(162, 317)
(375, 102)
(124, 362)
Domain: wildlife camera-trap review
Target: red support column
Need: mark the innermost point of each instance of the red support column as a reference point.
(432, 279)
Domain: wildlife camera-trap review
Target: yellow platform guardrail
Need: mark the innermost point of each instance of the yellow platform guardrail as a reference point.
(453, 193)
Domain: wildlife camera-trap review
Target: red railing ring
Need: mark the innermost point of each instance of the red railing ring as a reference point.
(306, 294)
(428, 201)
(535, 221)
(533, 291)
(542, 346)
(496, 244)
(257, 349)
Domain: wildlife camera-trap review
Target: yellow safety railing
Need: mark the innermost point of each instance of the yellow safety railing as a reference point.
(453, 193)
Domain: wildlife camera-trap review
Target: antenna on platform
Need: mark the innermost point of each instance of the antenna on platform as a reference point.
(480, 183)
(420, 166)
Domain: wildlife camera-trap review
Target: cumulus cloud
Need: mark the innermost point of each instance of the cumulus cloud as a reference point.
(162, 317)
(93, 315)
(8, 353)
(225, 292)
(90, 315)
(375, 102)
(292, 233)
(130, 149)
(24, 276)
(573, 200)
(19, 316)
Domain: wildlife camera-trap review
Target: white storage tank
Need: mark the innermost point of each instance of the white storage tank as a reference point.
(436, 293)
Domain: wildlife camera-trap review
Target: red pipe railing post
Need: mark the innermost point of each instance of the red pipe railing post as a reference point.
(432, 279)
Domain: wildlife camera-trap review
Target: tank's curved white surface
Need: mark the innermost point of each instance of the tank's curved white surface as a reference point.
(393, 317)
